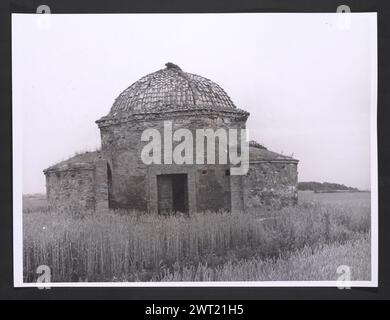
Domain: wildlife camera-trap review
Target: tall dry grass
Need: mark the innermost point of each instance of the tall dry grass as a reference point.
(307, 264)
(126, 246)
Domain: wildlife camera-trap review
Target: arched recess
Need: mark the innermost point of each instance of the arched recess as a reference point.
(109, 185)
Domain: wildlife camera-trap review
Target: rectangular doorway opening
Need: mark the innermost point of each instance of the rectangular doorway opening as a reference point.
(172, 192)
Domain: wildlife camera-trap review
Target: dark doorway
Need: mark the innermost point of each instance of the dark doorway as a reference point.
(172, 193)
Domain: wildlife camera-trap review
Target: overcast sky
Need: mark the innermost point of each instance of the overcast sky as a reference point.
(305, 81)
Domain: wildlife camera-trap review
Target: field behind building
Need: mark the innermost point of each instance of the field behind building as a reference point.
(307, 242)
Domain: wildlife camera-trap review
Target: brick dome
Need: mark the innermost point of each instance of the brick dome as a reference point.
(172, 89)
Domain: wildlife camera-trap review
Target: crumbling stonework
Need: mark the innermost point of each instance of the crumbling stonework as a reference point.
(71, 188)
(272, 179)
(271, 183)
(116, 176)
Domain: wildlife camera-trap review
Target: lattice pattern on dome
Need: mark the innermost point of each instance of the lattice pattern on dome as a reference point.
(171, 89)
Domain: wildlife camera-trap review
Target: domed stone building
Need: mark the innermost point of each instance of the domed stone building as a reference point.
(117, 177)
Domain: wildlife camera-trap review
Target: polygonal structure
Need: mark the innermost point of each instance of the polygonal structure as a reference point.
(118, 177)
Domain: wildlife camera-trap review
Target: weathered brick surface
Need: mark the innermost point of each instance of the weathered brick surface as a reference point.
(270, 183)
(100, 184)
(122, 147)
(71, 190)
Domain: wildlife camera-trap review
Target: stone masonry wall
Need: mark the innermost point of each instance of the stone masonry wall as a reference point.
(122, 146)
(270, 183)
(213, 188)
(70, 190)
(122, 149)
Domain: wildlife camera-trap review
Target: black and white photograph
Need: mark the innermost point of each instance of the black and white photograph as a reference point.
(235, 149)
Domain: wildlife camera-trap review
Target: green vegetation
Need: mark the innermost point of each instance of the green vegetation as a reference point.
(306, 242)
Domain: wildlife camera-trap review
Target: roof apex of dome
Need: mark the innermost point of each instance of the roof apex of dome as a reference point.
(171, 65)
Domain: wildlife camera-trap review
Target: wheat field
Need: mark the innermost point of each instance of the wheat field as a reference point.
(306, 242)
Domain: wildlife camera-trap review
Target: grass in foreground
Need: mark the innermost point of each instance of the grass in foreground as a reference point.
(125, 246)
(304, 265)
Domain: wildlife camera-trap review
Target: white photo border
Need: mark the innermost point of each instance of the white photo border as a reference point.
(17, 149)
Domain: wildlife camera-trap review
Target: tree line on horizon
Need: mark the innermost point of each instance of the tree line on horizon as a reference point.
(323, 186)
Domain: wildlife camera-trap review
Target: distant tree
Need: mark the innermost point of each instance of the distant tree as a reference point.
(318, 186)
